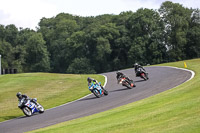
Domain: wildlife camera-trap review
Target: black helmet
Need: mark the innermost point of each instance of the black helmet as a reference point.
(89, 79)
(19, 95)
(118, 73)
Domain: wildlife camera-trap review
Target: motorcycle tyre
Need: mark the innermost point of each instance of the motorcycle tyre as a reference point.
(96, 93)
(143, 77)
(105, 91)
(147, 76)
(41, 108)
(132, 83)
(128, 86)
(25, 109)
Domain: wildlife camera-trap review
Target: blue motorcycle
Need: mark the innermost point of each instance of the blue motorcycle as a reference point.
(98, 90)
(28, 107)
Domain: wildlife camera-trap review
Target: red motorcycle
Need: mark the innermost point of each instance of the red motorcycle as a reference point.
(126, 82)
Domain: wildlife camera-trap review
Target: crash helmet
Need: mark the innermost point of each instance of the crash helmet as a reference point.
(135, 65)
(19, 95)
(89, 79)
(118, 73)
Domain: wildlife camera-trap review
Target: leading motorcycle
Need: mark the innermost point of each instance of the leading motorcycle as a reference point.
(28, 107)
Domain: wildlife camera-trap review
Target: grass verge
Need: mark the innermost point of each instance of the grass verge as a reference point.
(175, 110)
(50, 89)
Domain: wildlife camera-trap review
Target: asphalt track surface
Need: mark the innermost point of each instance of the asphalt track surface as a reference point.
(160, 79)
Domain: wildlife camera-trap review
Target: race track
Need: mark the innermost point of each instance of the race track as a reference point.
(161, 79)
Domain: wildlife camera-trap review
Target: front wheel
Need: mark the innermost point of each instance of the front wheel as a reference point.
(40, 108)
(127, 85)
(27, 111)
(147, 76)
(143, 76)
(96, 93)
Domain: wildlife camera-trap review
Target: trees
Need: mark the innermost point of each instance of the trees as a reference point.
(122, 43)
(6, 51)
(81, 65)
(146, 31)
(176, 19)
(12, 53)
(56, 31)
(104, 37)
(11, 34)
(192, 48)
(37, 59)
(96, 44)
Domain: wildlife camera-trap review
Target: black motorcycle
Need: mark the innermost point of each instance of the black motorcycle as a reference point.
(142, 74)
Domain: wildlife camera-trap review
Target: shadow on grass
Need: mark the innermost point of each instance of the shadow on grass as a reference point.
(8, 117)
(5, 118)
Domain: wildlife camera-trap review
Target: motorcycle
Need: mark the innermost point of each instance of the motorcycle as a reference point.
(98, 90)
(143, 74)
(28, 107)
(125, 82)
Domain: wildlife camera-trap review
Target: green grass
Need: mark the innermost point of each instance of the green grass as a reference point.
(174, 111)
(50, 89)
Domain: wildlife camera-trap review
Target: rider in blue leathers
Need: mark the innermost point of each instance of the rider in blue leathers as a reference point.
(91, 82)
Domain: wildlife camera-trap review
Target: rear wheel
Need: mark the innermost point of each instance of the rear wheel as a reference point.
(27, 111)
(105, 91)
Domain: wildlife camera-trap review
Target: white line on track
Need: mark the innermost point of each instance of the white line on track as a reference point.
(192, 72)
(81, 97)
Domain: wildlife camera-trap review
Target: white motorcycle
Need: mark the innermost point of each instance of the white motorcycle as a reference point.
(28, 107)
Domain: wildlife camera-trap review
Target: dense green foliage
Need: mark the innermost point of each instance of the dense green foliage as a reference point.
(75, 44)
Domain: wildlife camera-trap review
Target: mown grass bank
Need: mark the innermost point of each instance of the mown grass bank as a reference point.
(50, 89)
(175, 110)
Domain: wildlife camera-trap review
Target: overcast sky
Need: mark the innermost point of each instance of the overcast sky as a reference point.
(27, 13)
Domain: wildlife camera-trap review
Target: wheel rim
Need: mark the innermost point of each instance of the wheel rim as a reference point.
(41, 108)
(96, 93)
(27, 111)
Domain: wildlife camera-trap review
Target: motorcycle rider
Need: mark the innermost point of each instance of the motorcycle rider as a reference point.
(20, 96)
(121, 75)
(91, 82)
(138, 69)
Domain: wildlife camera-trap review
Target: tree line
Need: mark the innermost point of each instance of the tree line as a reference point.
(73, 44)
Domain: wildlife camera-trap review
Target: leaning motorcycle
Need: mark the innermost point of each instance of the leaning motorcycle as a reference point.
(125, 82)
(98, 90)
(143, 74)
(28, 107)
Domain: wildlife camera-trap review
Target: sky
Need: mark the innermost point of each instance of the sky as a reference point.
(27, 13)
